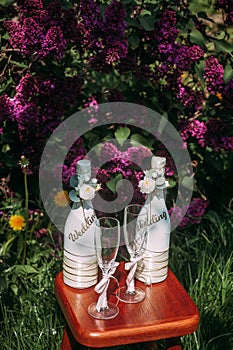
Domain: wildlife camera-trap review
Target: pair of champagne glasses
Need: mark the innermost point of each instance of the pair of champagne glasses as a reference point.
(107, 241)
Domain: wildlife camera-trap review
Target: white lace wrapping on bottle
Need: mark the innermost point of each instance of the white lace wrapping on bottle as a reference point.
(102, 287)
(81, 273)
(153, 267)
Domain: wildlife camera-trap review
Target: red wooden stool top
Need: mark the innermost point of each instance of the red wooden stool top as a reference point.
(166, 312)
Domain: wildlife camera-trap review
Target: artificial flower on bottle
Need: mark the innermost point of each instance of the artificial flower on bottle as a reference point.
(84, 190)
(153, 179)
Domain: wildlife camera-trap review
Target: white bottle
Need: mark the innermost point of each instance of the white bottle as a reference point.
(80, 269)
(153, 268)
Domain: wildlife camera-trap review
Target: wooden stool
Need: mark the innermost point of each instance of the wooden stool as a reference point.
(167, 312)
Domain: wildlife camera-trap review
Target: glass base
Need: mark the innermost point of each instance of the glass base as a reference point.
(110, 312)
(131, 298)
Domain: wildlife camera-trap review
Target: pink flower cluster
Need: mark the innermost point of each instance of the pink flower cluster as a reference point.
(214, 133)
(194, 212)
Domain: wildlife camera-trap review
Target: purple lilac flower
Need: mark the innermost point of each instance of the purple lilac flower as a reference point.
(106, 36)
(6, 109)
(108, 151)
(193, 128)
(217, 135)
(227, 95)
(197, 207)
(54, 42)
(126, 163)
(193, 99)
(214, 75)
(102, 176)
(29, 6)
(38, 31)
(191, 215)
(91, 18)
(25, 36)
(27, 117)
(176, 214)
(186, 55)
(37, 107)
(138, 154)
(120, 166)
(114, 19)
(166, 30)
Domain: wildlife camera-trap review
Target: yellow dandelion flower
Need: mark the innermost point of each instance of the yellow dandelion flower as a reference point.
(61, 199)
(17, 222)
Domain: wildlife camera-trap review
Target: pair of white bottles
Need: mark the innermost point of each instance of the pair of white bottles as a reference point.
(80, 269)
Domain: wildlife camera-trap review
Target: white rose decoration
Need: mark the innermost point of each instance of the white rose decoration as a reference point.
(147, 185)
(86, 192)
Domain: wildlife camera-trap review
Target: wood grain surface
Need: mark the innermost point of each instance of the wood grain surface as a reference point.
(166, 312)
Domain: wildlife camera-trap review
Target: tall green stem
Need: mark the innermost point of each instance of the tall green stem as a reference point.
(26, 217)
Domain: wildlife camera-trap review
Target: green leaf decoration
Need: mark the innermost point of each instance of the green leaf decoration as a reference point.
(74, 181)
(228, 73)
(134, 40)
(222, 46)
(172, 183)
(197, 38)
(145, 12)
(147, 22)
(6, 3)
(122, 134)
(199, 68)
(111, 184)
(139, 140)
(73, 196)
(187, 182)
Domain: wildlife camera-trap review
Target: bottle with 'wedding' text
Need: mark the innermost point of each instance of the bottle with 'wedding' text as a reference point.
(80, 269)
(153, 268)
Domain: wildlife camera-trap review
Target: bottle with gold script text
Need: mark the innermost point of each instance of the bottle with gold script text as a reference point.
(80, 269)
(153, 268)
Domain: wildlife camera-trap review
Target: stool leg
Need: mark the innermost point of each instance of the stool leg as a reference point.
(173, 344)
(68, 340)
(65, 345)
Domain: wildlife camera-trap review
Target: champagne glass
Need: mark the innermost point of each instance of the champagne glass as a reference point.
(107, 240)
(135, 234)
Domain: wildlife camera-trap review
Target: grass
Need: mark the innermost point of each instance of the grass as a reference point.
(201, 257)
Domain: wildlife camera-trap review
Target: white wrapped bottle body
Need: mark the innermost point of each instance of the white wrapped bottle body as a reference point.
(153, 267)
(80, 269)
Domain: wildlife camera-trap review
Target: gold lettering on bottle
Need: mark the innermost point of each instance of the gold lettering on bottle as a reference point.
(156, 218)
(73, 236)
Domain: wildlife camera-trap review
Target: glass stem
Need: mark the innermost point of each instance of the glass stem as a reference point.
(130, 279)
(131, 287)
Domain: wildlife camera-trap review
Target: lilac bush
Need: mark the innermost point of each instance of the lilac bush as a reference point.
(61, 56)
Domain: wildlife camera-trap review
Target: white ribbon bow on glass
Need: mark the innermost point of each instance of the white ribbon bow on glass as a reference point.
(132, 266)
(102, 286)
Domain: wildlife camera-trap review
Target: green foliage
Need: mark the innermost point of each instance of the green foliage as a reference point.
(121, 134)
(202, 254)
